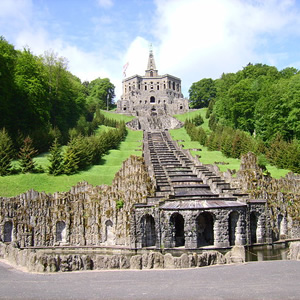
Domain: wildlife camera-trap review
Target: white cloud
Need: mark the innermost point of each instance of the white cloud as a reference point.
(105, 3)
(199, 38)
(193, 39)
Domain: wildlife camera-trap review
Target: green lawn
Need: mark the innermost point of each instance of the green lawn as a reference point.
(117, 117)
(96, 175)
(194, 113)
(207, 157)
(210, 157)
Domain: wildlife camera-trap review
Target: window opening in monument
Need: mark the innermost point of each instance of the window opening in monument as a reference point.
(205, 229)
(174, 86)
(151, 87)
(169, 84)
(164, 86)
(177, 222)
(124, 108)
(181, 107)
(158, 87)
(232, 226)
(109, 235)
(152, 99)
(281, 225)
(253, 227)
(151, 74)
(145, 88)
(61, 231)
(8, 226)
(148, 231)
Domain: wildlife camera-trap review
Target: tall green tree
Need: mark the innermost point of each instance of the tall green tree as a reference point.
(7, 87)
(56, 159)
(101, 94)
(26, 155)
(6, 153)
(202, 92)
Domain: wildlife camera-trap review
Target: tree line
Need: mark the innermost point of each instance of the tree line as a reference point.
(44, 106)
(39, 97)
(255, 109)
(83, 149)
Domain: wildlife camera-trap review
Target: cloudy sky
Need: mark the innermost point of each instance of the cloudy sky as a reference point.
(192, 39)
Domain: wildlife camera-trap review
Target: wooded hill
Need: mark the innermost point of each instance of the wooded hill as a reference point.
(44, 106)
(256, 109)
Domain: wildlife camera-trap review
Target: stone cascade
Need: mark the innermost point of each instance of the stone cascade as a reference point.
(178, 177)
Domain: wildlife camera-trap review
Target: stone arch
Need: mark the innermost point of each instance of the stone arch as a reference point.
(205, 229)
(148, 231)
(232, 227)
(152, 99)
(109, 234)
(177, 227)
(253, 227)
(8, 227)
(61, 232)
(281, 224)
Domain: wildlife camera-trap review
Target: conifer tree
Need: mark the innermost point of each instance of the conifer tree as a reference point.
(6, 153)
(26, 154)
(56, 159)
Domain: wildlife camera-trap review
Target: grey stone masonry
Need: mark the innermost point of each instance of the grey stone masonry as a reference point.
(152, 94)
(187, 210)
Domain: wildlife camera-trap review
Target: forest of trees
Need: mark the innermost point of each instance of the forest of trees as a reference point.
(256, 109)
(43, 105)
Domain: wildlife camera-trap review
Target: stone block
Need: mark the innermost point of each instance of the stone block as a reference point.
(136, 262)
(169, 261)
(294, 251)
(114, 262)
(102, 262)
(184, 260)
(236, 255)
(124, 262)
(193, 260)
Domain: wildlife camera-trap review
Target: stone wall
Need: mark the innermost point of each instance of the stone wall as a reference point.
(85, 215)
(282, 196)
(54, 261)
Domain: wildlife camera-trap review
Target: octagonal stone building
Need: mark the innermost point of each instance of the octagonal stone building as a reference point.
(152, 93)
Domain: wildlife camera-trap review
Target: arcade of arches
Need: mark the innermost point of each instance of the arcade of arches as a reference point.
(196, 229)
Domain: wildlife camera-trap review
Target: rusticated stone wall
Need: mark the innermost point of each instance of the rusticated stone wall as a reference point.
(282, 195)
(47, 261)
(85, 215)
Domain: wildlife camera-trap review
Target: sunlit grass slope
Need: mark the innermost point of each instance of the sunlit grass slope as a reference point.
(192, 114)
(211, 157)
(96, 175)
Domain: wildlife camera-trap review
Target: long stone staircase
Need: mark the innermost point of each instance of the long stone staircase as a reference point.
(181, 182)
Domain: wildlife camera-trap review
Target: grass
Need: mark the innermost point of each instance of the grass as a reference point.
(117, 117)
(98, 174)
(206, 157)
(211, 157)
(192, 114)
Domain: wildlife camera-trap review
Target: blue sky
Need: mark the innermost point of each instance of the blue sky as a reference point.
(192, 39)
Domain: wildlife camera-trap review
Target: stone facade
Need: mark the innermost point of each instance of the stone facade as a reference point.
(152, 94)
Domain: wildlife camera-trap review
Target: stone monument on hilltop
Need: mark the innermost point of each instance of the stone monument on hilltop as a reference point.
(152, 96)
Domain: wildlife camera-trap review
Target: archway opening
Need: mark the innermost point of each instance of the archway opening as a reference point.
(109, 235)
(205, 229)
(177, 222)
(152, 99)
(61, 231)
(232, 226)
(253, 228)
(8, 226)
(148, 231)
